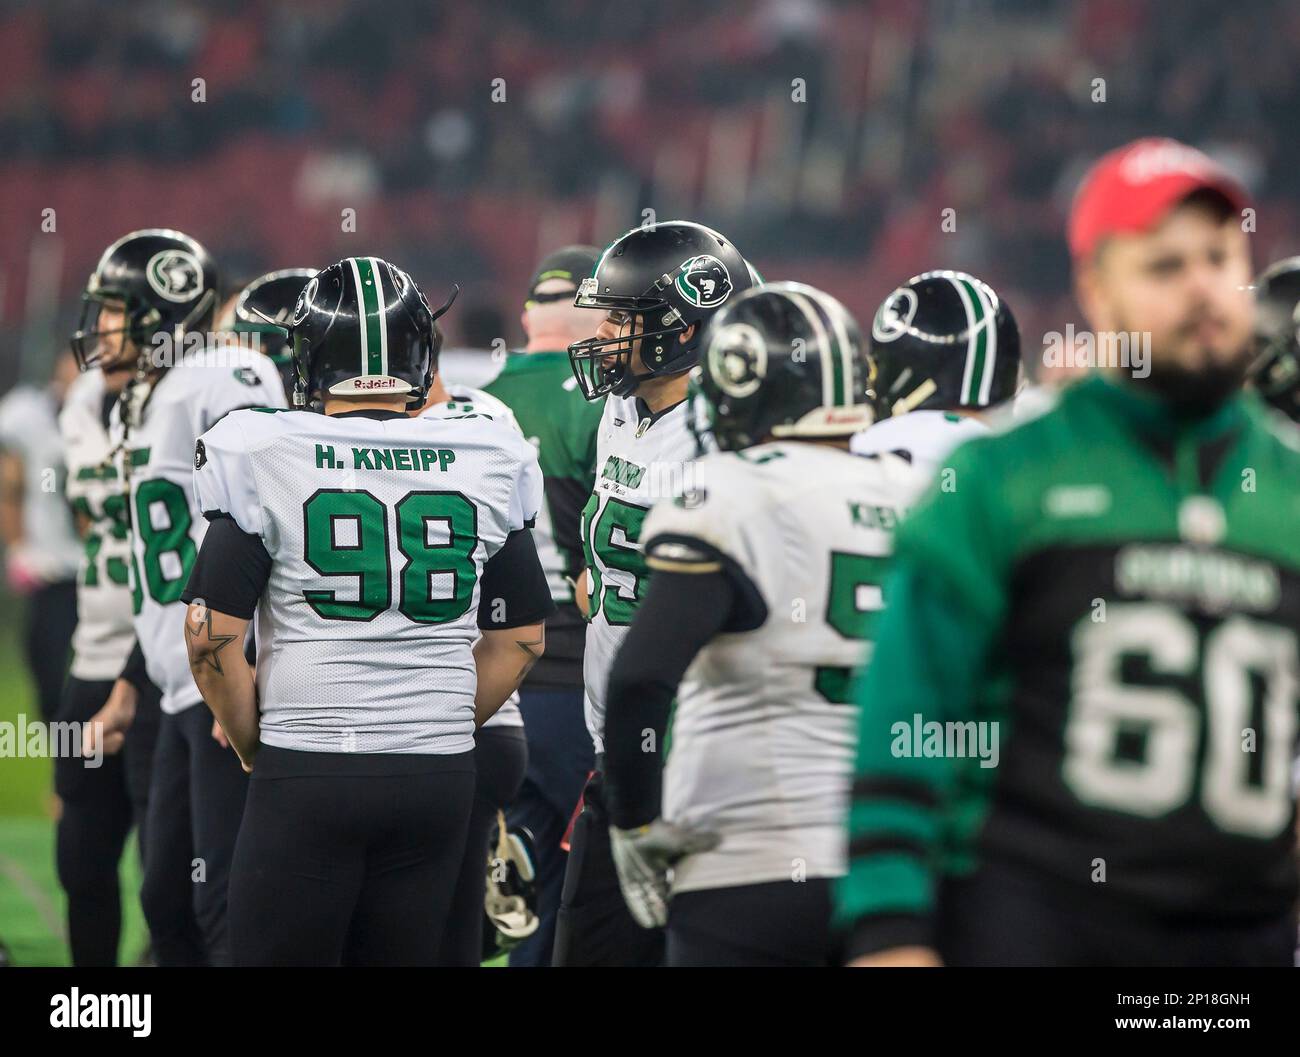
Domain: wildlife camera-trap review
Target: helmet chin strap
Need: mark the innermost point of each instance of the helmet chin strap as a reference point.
(664, 339)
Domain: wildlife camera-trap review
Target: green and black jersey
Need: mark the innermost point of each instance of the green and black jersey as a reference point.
(540, 389)
(1087, 670)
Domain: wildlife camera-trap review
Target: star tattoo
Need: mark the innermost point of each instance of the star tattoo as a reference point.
(204, 644)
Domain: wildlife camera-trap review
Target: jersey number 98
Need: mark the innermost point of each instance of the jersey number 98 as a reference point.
(350, 534)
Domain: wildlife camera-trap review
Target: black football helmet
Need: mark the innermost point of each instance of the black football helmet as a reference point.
(362, 327)
(510, 903)
(1275, 372)
(943, 340)
(784, 360)
(264, 307)
(663, 278)
(166, 282)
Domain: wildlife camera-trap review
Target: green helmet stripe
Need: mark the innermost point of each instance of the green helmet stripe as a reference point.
(839, 383)
(991, 338)
(832, 370)
(372, 325)
(844, 354)
(976, 342)
(383, 322)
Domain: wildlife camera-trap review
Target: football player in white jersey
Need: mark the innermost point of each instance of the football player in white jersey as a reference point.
(767, 581)
(41, 548)
(500, 750)
(151, 297)
(945, 350)
(100, 804)
(399, 601)
(658, 285)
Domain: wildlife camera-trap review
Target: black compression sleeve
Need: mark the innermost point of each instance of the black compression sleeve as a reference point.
(680, 614)
(231, 570)
(513, 589)
(134, 671)
(565, 498)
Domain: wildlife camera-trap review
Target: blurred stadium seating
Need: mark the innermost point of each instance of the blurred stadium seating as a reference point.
(314, 106)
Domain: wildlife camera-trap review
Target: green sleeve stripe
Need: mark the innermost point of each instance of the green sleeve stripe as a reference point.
(884, 884)
(874, 818)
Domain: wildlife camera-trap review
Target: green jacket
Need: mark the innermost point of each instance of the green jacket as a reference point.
(540, 389)
(1087, 670)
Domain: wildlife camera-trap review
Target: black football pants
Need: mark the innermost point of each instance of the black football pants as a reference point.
(47, 641)
(196, 799)
(348, 858)
(775, 924)
(560, 759)
(500, 758)
(99, 807)
(594, 926)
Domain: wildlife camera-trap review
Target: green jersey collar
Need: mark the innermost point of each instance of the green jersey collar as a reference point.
(1153, 416)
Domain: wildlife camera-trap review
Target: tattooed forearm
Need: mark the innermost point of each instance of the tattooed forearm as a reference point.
(501, 660)
(203, 643)
(533, 649)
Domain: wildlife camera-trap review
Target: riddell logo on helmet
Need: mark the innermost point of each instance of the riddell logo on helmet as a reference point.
(836, 417)
(361, 384)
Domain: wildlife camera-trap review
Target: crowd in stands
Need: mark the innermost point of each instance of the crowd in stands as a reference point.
(827, 137)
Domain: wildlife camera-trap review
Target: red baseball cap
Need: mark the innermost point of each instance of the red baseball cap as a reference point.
(1132, 188)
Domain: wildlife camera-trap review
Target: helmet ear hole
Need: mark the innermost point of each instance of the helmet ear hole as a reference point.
(144, 323)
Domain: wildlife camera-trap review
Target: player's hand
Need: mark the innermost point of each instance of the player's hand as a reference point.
(106, 731)
(643, 857)
(22, 572)
(899, 958)
(219, 735)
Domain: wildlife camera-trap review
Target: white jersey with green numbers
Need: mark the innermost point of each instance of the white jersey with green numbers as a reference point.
(378, 530)
(640, 459)
(157, 462)
(764, 728)
(468, 401)
(51, 550)
(104, 634)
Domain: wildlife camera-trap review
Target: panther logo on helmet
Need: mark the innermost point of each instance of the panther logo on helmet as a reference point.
(175, 275)
(704, 281)
(895, 315)
(738, 359)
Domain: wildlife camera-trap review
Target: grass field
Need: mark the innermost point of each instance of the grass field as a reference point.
(32, 919)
